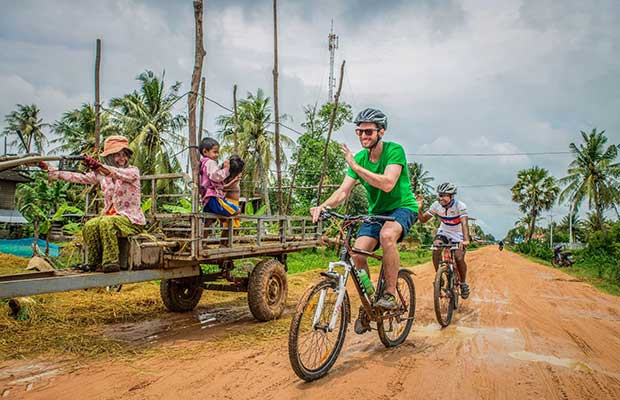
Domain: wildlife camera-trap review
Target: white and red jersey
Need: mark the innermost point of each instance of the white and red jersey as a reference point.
(450, 217)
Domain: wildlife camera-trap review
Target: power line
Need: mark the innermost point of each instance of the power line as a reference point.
(542, 153)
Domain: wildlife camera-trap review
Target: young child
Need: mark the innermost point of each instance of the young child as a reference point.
(212, 178)
(231, 185)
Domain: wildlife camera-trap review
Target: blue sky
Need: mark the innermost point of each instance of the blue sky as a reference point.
(453, 76)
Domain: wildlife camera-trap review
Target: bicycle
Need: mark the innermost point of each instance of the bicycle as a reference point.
(319, 325)
(447, 286)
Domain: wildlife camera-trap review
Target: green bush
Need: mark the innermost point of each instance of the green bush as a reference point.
(603, 252)
(535, 248)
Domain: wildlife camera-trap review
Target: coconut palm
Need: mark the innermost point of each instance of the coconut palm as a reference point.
(76, 130)
(26, 124)
(420, 179)
(535, 191)
(147, 118)
(593, 174)
(571, 221)
(256, 142)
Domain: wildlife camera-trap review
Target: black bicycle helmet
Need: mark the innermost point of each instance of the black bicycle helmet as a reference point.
(372, 115)
(447, 188)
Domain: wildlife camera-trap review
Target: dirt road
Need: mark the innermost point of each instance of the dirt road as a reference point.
(527, 332)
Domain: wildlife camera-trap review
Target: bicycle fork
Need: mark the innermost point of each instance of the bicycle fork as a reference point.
(342, 280)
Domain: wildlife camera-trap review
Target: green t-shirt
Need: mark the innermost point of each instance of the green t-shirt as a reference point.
(401, 195)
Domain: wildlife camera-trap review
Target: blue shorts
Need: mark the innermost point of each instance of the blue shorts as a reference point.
(404, 216)
(220, 206)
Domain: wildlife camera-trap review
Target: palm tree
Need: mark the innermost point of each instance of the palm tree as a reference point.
(28, 126)
(420, 179)
(571, 221)
(147, 119)
(76, 130)
(256, 141)
(535, 191)
(594, 173)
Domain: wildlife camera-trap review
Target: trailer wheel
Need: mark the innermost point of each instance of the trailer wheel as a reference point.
(267, 290)
(181, 294)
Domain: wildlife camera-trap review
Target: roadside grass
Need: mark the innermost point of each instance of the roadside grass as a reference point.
(74, 325)
(584, 271)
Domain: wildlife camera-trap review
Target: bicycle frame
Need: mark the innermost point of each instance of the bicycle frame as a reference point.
(447, 256)
(345, 262)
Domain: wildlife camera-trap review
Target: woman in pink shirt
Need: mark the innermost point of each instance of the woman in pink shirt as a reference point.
(122, 214)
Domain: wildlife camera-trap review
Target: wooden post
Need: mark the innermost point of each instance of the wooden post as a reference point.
(199, 54)
(329, 134)
(202, 108)
(97, 98)
(275, 104)
(153, 197)
(290, 192)
(236, 133)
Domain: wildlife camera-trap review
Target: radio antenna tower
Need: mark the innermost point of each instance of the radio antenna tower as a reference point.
(333, 45)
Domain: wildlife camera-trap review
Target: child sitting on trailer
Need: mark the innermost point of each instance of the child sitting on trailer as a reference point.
(212, 178)
(231, 185)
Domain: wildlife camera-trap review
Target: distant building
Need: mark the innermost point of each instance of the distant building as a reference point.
(11, 220)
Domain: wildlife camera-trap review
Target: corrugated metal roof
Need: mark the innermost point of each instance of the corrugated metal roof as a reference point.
(12, 217)
(15, 176)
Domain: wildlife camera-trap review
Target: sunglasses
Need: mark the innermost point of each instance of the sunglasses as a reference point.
(366, 132)
(443, 195)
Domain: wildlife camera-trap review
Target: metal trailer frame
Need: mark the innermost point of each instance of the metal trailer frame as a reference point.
(182, 243)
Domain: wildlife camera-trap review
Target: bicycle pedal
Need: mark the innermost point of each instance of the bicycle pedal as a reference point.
(360, 328)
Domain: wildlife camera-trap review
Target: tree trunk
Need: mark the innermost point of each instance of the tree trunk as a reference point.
(532, 225)
(35, 241)
(199, 54)
(47, 242)
(265, 187)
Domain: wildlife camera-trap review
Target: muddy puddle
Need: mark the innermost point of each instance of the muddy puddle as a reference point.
(560, 362)
(197, 323)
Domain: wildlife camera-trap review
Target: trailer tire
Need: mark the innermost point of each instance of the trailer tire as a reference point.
(181, 294)
(267, 290)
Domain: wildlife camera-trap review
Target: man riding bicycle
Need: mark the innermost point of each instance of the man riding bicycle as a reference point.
(381, 167)
(453, 228)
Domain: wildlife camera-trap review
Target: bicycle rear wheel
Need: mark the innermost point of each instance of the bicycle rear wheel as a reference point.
(443, 296)
(395, 329)
(312, 347)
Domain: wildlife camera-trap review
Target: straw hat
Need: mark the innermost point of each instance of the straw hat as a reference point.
(114, 144)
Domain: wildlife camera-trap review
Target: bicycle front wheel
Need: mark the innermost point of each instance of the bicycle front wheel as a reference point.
(443, 296)
(394, 329)
(312, 347)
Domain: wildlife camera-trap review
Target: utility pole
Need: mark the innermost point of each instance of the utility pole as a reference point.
(97, 99)
(329, 134)
(551, 228)
(275, 105)
(236, 133)
(203, 85)
(570, 226)
(333, 45)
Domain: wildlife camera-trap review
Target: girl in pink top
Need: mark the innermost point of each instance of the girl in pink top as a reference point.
(212, 178)
(122, 215)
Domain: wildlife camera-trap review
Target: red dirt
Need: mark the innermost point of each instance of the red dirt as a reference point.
(527, 332)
